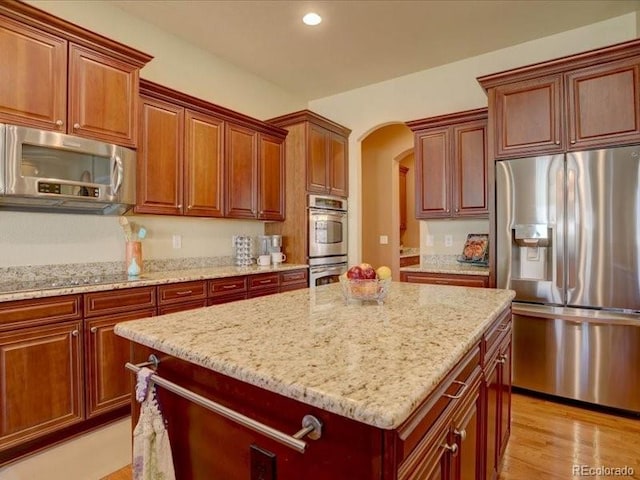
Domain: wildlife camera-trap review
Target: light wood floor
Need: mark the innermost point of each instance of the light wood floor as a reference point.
(548, 439)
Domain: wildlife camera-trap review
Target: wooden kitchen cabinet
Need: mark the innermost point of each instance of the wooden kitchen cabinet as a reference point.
(177, 297)
(451, 165)
(578, 102)
(108, 384)
(199, 159)
(327, 168)
(294, 280)
(402, 192)
(61, 77)
(481, 281)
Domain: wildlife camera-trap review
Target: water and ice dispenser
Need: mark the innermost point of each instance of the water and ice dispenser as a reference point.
(532, 252)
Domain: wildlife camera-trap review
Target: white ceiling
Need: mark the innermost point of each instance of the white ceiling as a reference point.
(361, 42)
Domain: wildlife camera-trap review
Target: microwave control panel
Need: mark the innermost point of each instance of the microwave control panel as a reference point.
(65, 189)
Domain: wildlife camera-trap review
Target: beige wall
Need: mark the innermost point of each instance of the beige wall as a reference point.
(36, 239)
(411, 236)
(449, 88)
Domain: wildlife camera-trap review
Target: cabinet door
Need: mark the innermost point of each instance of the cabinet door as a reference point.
(604, 105)
(492, 409)
(241, 172)
(40, 381)
(271, 178)
(467, 433)
(339, 166)
(204, 165)
(103, 97)
(317, 159)
(470, 170)
(529, 117)
(402, 191)
(433, 178)
(160, 162)
(33, 90)
(108, 382)
(505, 396)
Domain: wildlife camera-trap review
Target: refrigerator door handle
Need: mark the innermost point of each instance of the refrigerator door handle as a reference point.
(571, 229)
(558, 232)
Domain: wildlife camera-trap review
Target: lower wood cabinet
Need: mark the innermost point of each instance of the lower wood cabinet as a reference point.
(177, 297)
(445, 279)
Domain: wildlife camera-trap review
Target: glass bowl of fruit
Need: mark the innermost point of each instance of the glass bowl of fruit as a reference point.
(363, 282)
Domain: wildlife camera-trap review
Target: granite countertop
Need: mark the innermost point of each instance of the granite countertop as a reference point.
(373, 364)
(446, 264)
(17, 290)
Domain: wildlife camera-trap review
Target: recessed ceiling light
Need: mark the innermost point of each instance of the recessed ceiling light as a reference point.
(312, 18)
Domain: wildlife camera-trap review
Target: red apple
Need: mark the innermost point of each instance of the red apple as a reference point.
(368, 273)
(355, 273)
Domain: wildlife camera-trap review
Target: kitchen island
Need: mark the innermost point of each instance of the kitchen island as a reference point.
(403, 390)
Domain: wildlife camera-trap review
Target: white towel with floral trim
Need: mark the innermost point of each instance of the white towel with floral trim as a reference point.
(152, 459)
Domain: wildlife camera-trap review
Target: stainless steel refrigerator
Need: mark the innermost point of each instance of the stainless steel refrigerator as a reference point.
(568, 243)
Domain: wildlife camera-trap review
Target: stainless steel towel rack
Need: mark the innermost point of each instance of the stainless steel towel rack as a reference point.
(311, 426)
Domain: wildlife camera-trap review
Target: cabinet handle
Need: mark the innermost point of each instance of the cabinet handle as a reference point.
(557, 142)
(452, 448)
(460, 392)
(94, 329)
(227, 287)
(457, 210)
(441, 282)
(447, 210)
(59, 123)
(504, 328)
(573, 141)
(76, 126)
(184, 292)
(180, 205)
(264, 281)
(75, 333)
(462, 434)
(502, 358)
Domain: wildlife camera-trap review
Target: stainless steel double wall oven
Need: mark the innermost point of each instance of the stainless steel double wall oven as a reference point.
(327, 239)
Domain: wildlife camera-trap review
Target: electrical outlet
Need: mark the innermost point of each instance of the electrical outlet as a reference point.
(177, 241)
(429, 240)
(384, 239)
(448, 240)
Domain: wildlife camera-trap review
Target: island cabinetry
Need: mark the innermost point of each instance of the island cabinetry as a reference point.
(176, 297)
(58, 75)
(200, 159)
(451, 165)
(41, 374)
(445, 279)
(316, 150)
(577, 102)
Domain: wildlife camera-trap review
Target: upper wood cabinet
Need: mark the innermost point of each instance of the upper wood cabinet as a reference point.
(198, 159)
(402, 192)
(451, 165)
(58, 76)
(579, 102)
(323, 150)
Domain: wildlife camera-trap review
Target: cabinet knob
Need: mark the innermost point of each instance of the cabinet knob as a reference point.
(75, 333)
(76, 126)
(180, 205)
(557, 142)
(462, 434)
(457, 210)
(447, 210)
(59, 123)
(573, 141)
(94, 329)
(452, 448)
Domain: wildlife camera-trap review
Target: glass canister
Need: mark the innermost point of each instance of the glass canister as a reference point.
(243, 250)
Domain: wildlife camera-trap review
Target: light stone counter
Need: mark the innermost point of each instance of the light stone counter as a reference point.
(450, 268)
(370, 363)
(16, 290)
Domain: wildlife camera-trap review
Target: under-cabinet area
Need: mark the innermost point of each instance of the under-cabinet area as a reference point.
(74, 360)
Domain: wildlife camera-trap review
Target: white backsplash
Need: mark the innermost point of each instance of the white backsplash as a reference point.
(458, 229)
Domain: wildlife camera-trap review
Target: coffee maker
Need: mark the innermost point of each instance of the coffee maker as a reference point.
(275, 243)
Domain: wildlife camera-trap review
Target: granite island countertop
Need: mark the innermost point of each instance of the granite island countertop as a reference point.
(373, 364)
(32, 288)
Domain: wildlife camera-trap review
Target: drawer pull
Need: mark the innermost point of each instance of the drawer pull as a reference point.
(184, 292)
(442, 282)
(262, 282)
(461, 433)
(463, 388)
(94, 329)
(227, 287)
(504, 328)
(452, 448)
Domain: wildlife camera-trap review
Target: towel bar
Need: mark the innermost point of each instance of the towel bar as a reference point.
(311, 426)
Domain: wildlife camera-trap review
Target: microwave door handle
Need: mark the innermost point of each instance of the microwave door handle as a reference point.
(118, 172)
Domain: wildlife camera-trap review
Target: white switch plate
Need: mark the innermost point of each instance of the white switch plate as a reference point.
(448, 240)
(384, 239)
(177, 241)
(429, 240)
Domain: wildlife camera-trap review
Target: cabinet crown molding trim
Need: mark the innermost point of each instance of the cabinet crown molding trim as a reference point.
(309, 116)
(618, 51)
(44, 21)
(160, 92)
(448, 119)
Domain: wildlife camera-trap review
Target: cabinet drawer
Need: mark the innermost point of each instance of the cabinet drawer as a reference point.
(227, 286)
(261, 292)
(295, 276)
(38, 310)
(265, 280)
(500, 327)
(180, 307)
(180, 292)
(455, 280)
(233, 297)
(118, 301)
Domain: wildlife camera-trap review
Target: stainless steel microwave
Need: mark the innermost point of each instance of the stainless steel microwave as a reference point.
(51, 171)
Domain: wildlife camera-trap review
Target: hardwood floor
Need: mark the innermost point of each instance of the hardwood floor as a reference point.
(548, 439)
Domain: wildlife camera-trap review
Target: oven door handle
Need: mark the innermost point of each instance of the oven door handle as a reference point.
(327, 270)
(318, 211)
